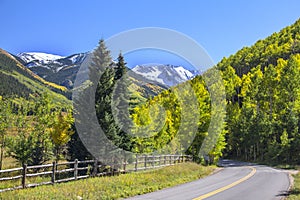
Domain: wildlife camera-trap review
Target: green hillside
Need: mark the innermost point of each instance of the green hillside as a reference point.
(263, 98)
(18, 81)
(265, 52)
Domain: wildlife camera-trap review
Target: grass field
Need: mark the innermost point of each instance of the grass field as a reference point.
(115, 187)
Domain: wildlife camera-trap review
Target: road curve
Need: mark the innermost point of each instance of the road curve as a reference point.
(237, 181)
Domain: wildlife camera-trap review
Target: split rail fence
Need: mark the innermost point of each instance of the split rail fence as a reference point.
(32, 176)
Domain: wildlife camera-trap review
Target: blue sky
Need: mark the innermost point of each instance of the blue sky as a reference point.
(65, 27)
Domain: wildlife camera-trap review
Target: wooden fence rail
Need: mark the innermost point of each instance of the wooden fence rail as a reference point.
(67, 171)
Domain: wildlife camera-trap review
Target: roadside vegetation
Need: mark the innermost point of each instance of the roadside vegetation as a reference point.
(294, 194)
(116, 187)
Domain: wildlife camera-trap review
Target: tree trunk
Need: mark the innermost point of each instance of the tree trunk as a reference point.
(254, 153)
(2, 153)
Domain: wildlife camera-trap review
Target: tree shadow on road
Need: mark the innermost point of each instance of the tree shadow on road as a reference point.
(295, 192)
(231, 163)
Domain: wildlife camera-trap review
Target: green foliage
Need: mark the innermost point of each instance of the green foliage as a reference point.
(6, 119)
(165, 122)
(112, 97)
(76, 149)
(21, 145)
(36, 129)
(11, 86)
(263, 109)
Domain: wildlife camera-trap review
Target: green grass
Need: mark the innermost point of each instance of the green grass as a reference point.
(295, 192)
(116, 187)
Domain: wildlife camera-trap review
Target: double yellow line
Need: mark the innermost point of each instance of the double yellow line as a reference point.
(227, 186)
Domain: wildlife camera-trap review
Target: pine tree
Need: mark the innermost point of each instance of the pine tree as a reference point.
(121, 101)
(104, 91)
(101, 59)
(76, 149)
(103, 99)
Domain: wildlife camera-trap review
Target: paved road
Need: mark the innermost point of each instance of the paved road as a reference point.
(237, 181)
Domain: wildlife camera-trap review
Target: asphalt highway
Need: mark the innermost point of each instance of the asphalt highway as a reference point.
(236, 181)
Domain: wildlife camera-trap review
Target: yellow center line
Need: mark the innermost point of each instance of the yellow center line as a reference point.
(227, 186)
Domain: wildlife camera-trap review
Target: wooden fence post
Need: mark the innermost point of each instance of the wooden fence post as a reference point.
(152, 161)
(145, 163)
(113, 167)
(24, 172)
(124, 165)
(95, 169)
(159, 157)
(136, 163)
(75, 169)
(165, 159)
(53, 172)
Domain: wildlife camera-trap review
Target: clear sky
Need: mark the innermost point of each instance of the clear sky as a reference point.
(65, 27)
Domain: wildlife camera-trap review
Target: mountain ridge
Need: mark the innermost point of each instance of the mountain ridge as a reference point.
(169, 75)
(62, 70)
(18, 80)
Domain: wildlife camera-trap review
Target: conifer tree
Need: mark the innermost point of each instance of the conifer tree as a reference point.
(121, 101)
(101, 59)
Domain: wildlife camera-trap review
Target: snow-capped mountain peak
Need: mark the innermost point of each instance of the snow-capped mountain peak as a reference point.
(50, 66)
(168, 75)
(37, 56)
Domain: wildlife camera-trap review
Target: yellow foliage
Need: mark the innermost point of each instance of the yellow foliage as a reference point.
(61, 130)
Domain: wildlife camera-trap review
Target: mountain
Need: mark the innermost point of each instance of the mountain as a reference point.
(54, 68)
(18, 80)
(62, 70)
(38, 58)
(168, 75)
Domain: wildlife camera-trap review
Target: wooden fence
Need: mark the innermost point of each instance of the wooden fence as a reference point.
(31, 176)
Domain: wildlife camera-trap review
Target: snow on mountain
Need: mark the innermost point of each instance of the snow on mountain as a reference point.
(76, 58)
(43, 58)
(50, 61)
(165, 74)
(54, 68)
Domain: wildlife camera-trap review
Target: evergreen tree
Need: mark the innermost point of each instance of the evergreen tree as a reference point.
(103, 104)
(101, 59)
(76, 149)
(121, 101)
